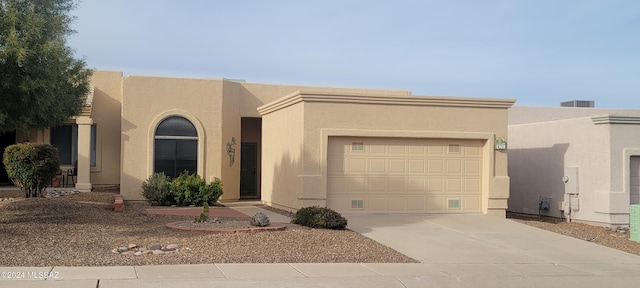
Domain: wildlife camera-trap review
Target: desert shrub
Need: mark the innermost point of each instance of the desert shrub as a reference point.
(319, 217)
(204, 215)
(157, 189)
(191, 189)
(260, 219)
(186, 189)
(31, 166)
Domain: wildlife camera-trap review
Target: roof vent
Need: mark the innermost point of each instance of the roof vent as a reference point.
(578, 103)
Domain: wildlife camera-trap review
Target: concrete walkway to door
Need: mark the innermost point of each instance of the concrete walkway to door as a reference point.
(488, 251)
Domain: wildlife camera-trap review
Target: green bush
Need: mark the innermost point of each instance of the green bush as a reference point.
(319, 217)
(184, 190)
(157, 190)
(31, 166)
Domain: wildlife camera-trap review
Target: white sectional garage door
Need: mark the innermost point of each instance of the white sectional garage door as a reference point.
(404, 175)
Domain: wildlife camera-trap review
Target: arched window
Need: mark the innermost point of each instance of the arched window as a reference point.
(176, 147)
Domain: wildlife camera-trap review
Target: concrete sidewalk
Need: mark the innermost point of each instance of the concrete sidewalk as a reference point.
(316, 275)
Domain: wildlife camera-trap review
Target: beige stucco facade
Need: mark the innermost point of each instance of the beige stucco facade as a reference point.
(598, 151)
(301, 125)
(290, 126)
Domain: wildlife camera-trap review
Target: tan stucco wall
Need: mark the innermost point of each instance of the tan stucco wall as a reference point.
(231, 129)
(254, 95)
(105, 114)
(282, 157)
(217, 105)
(353, 116)
(149, 100)
(564, 137)
(294, 137)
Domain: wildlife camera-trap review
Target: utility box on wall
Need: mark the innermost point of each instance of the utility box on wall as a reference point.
(634, 223)
(570, 180)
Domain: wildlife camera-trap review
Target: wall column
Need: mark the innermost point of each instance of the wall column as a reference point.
(83, 183)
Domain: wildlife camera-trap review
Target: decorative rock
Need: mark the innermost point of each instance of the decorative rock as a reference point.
(132, 249)
(57, 193)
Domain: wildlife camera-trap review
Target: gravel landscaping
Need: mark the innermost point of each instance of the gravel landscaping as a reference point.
(82, 230)
(616, 239)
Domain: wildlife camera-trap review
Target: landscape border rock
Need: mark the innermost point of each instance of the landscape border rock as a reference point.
(54, 193)
(176, 226)
(133, 249)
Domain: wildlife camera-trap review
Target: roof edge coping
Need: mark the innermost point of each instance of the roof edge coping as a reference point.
(382, 99)
(615, 119)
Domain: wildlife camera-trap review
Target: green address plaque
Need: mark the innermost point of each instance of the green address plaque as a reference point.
(501, 143)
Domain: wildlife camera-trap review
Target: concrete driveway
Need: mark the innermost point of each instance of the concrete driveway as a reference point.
(490, 247)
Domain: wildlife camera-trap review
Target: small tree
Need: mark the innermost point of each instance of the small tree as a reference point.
(31, 166)
(42, 84)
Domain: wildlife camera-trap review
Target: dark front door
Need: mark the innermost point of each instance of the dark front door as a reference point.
(249, 170)
(6, 139)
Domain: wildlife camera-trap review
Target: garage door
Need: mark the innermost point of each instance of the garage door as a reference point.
(404, 175)
(635, 180)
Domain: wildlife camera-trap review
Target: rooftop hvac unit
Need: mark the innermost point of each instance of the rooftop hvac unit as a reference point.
(578, 103)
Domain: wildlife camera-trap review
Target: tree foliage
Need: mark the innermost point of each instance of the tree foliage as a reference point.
(31, 166)
(41, 83)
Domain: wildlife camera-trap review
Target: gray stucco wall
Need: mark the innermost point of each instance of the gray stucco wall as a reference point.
(543, 141)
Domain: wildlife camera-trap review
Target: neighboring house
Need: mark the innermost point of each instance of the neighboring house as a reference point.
(354, 150)
(598, 150)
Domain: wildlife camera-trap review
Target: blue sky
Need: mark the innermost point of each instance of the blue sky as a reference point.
(540, 52)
